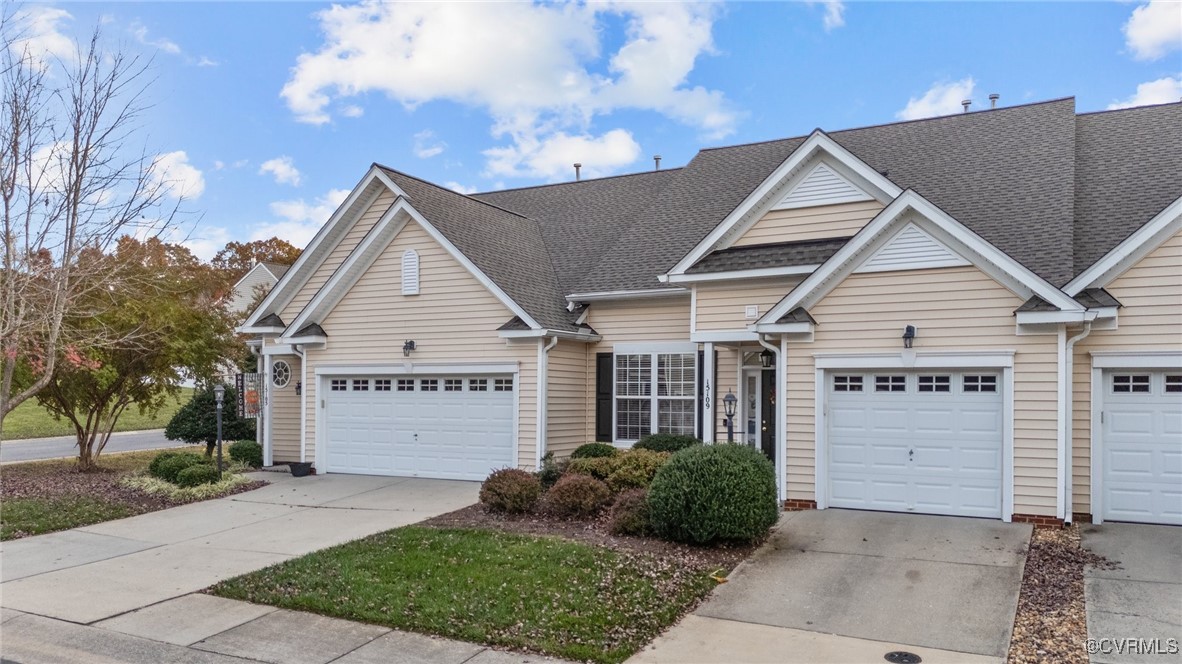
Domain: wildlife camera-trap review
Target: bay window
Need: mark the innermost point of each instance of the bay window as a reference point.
(655, 391)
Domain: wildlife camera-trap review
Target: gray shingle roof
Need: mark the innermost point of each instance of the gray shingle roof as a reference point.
(1036, 303)
(781, 254)
(797, 315)
(1094, 298)
(277, 269)
(311, 330)
(271, 320)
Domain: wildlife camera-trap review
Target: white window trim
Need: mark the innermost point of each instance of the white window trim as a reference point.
(653, 350)
(271, 377)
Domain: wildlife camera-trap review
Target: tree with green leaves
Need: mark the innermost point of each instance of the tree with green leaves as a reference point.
(196, 421)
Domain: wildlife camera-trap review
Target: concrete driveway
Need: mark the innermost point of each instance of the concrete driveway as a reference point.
(842, 585)
(1140, 600)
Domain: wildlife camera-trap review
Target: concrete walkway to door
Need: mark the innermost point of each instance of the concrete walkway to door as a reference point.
(841, 585)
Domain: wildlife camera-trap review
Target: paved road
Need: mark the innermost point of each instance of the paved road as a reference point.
(66, 446)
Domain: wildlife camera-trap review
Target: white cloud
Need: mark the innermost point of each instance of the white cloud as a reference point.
(834, 14)
(140, 32)
(459, 53)
(1154, 29)
(283, 169)
(352, 111)
(218, 164)
(299, 220)
(179, 178)
(554, 157)
(37, 31)
(1162, 91)
(426, 145)
(206, 61)
(940, 99)
(204, 241)
(460, 188)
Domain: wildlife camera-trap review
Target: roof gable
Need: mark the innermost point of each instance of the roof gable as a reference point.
(911, 249)
(821, 186)
(1142, 242)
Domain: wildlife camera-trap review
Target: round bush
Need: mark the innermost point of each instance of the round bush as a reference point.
(594, 451)
(714, 492)
(154, 466)
(635, 469)
(197, 475)
(666, 442)
(170, 468)
(630, 514)
(551, 470)
(247, 452)
(510, 490)
(598, 467)
(577, 496)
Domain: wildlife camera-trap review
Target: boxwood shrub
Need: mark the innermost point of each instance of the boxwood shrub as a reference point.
(577, 496)
(248, 453)
(168, 469)
(510, 490)
(627, 470)
(197, 475)
(707, 493)
(594, 450)
(665, 442)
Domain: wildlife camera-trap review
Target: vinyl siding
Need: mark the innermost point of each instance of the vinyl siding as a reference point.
(285, 413)
(569, 372)
(337, 256)
(453, 320)
(244, 293)
(811, 223)
(1151, 319)
(722, 305)
(953, 308)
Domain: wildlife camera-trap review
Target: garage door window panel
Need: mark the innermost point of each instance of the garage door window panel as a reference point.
(655, 393)
(890, 383)
(935, 383)
(973, 383)
(1173, 384)
(338, 385)
(360, 385)
(1130, 383)
(847, 383)
(406, 385)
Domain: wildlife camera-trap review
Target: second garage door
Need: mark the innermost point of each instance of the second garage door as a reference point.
(447, 427)
(926, 442)
(1142, 447)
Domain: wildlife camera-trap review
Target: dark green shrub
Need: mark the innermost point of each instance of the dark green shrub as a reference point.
(577, 496)
(714, 492)
(666, 442)
(170, 468)
(630, 514)
(598, 467)
(594, 451)
(202, 473)
(154, 466)
(510, 490)
(635, 469)
(196, 421)
(551, 471)
(247, 452)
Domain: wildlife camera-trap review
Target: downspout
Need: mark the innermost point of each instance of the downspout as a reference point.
(543, 398)
(781, 410)
(1068, 415)
(298, 349)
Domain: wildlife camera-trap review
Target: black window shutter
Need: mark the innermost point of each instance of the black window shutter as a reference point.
(604, 375)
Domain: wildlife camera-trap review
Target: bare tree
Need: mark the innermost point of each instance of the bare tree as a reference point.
(71, 184)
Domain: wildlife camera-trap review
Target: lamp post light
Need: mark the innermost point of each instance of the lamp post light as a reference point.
(729, 402)
(219, 395)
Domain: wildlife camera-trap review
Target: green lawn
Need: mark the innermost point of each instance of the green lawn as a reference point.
(30, 420)
(36, 516)
(541, 594)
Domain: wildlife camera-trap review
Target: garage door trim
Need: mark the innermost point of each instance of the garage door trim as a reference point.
(1103, 361)
(412, 369)
(911, 360)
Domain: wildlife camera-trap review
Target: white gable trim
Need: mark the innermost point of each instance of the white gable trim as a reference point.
(913, 208)
(1125, 255)
(911, 249)
(821, 186)
(330, 234)
(754, 273)
(758, 201)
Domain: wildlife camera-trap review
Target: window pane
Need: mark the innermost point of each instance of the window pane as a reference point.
(980, 383)
(935, 383)
(847, 383)
(453, 384)
(360, 385)
(675, 416)
(381, 385)
(1173, 383)
(477, 384)
(675, 374)
(890, 383)
(634, 375)
(1130, 383)
(406, 385)
(633, 418)
(429, 385)
(503, 385)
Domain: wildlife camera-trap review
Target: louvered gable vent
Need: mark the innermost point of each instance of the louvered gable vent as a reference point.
(912, 249)
(410, 272)
(822, 186)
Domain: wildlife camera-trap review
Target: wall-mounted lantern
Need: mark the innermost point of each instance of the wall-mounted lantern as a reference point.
(299, 387)
(908, 336)
(408, 347)
(767, 358)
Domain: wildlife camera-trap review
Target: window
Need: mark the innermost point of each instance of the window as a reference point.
(280, 374)
(655, 393)
(1174, 383)
(503, 385)
(381, 385)
(453, 384)
(410, 272)
(477, 384)
(1130, 383)
(980, 383)
(406, 384)
(360, 385)
(339, 385)
(890, 383)
(935, 383)
(429, 385)
(847, 383)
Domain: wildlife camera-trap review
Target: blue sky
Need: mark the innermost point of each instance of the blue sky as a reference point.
(267, 113)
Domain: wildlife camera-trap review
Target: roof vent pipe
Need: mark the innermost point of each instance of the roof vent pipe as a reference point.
(966, 103)
(656, 162)
(993, 100)
(577, 167)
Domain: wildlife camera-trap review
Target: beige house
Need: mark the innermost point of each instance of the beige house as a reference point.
(972, 315)
(262, 276)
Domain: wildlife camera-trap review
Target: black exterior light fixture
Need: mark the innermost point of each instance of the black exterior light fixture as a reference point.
(729, 402)
(299, 387)
(407, 347)
(908, 336)
(766, 358)
(219, 396)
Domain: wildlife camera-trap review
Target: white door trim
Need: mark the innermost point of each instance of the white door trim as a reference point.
(1145, 359)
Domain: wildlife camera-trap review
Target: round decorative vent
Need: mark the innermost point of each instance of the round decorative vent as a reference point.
(280, 374)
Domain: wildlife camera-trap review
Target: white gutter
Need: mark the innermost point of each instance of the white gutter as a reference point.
(756, 273)
(1067, 413)
(543, 398)
(298, 350)
(626, 294)
(543, 333)
(781, 353)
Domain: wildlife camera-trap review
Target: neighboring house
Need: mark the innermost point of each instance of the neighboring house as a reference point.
(1036, 254)
(263, 276)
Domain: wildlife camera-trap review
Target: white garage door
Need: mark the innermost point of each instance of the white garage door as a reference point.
(926, 442)
(1142, 447)
(448, 427)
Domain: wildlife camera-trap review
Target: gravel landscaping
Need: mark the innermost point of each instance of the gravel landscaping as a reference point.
(1051, 625)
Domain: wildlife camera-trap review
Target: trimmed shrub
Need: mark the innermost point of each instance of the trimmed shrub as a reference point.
(635, 469)
(598, 467)
(196, 421)
(630, 514)
(197, 475)
(170, 468)
(248, 453)
(510, 490)
(666, 442)
(714, 492)
(594, 451)
(154, 466)
(578, 496)
(551, 470)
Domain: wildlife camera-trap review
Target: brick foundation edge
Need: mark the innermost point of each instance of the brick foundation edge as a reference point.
(796, 505)
(1039, 520)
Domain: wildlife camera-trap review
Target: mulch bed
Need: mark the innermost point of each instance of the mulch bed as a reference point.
(723, 557)
(1051, 625)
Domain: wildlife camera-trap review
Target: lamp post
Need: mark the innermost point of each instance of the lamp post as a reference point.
(729, 402)
(219, 395)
